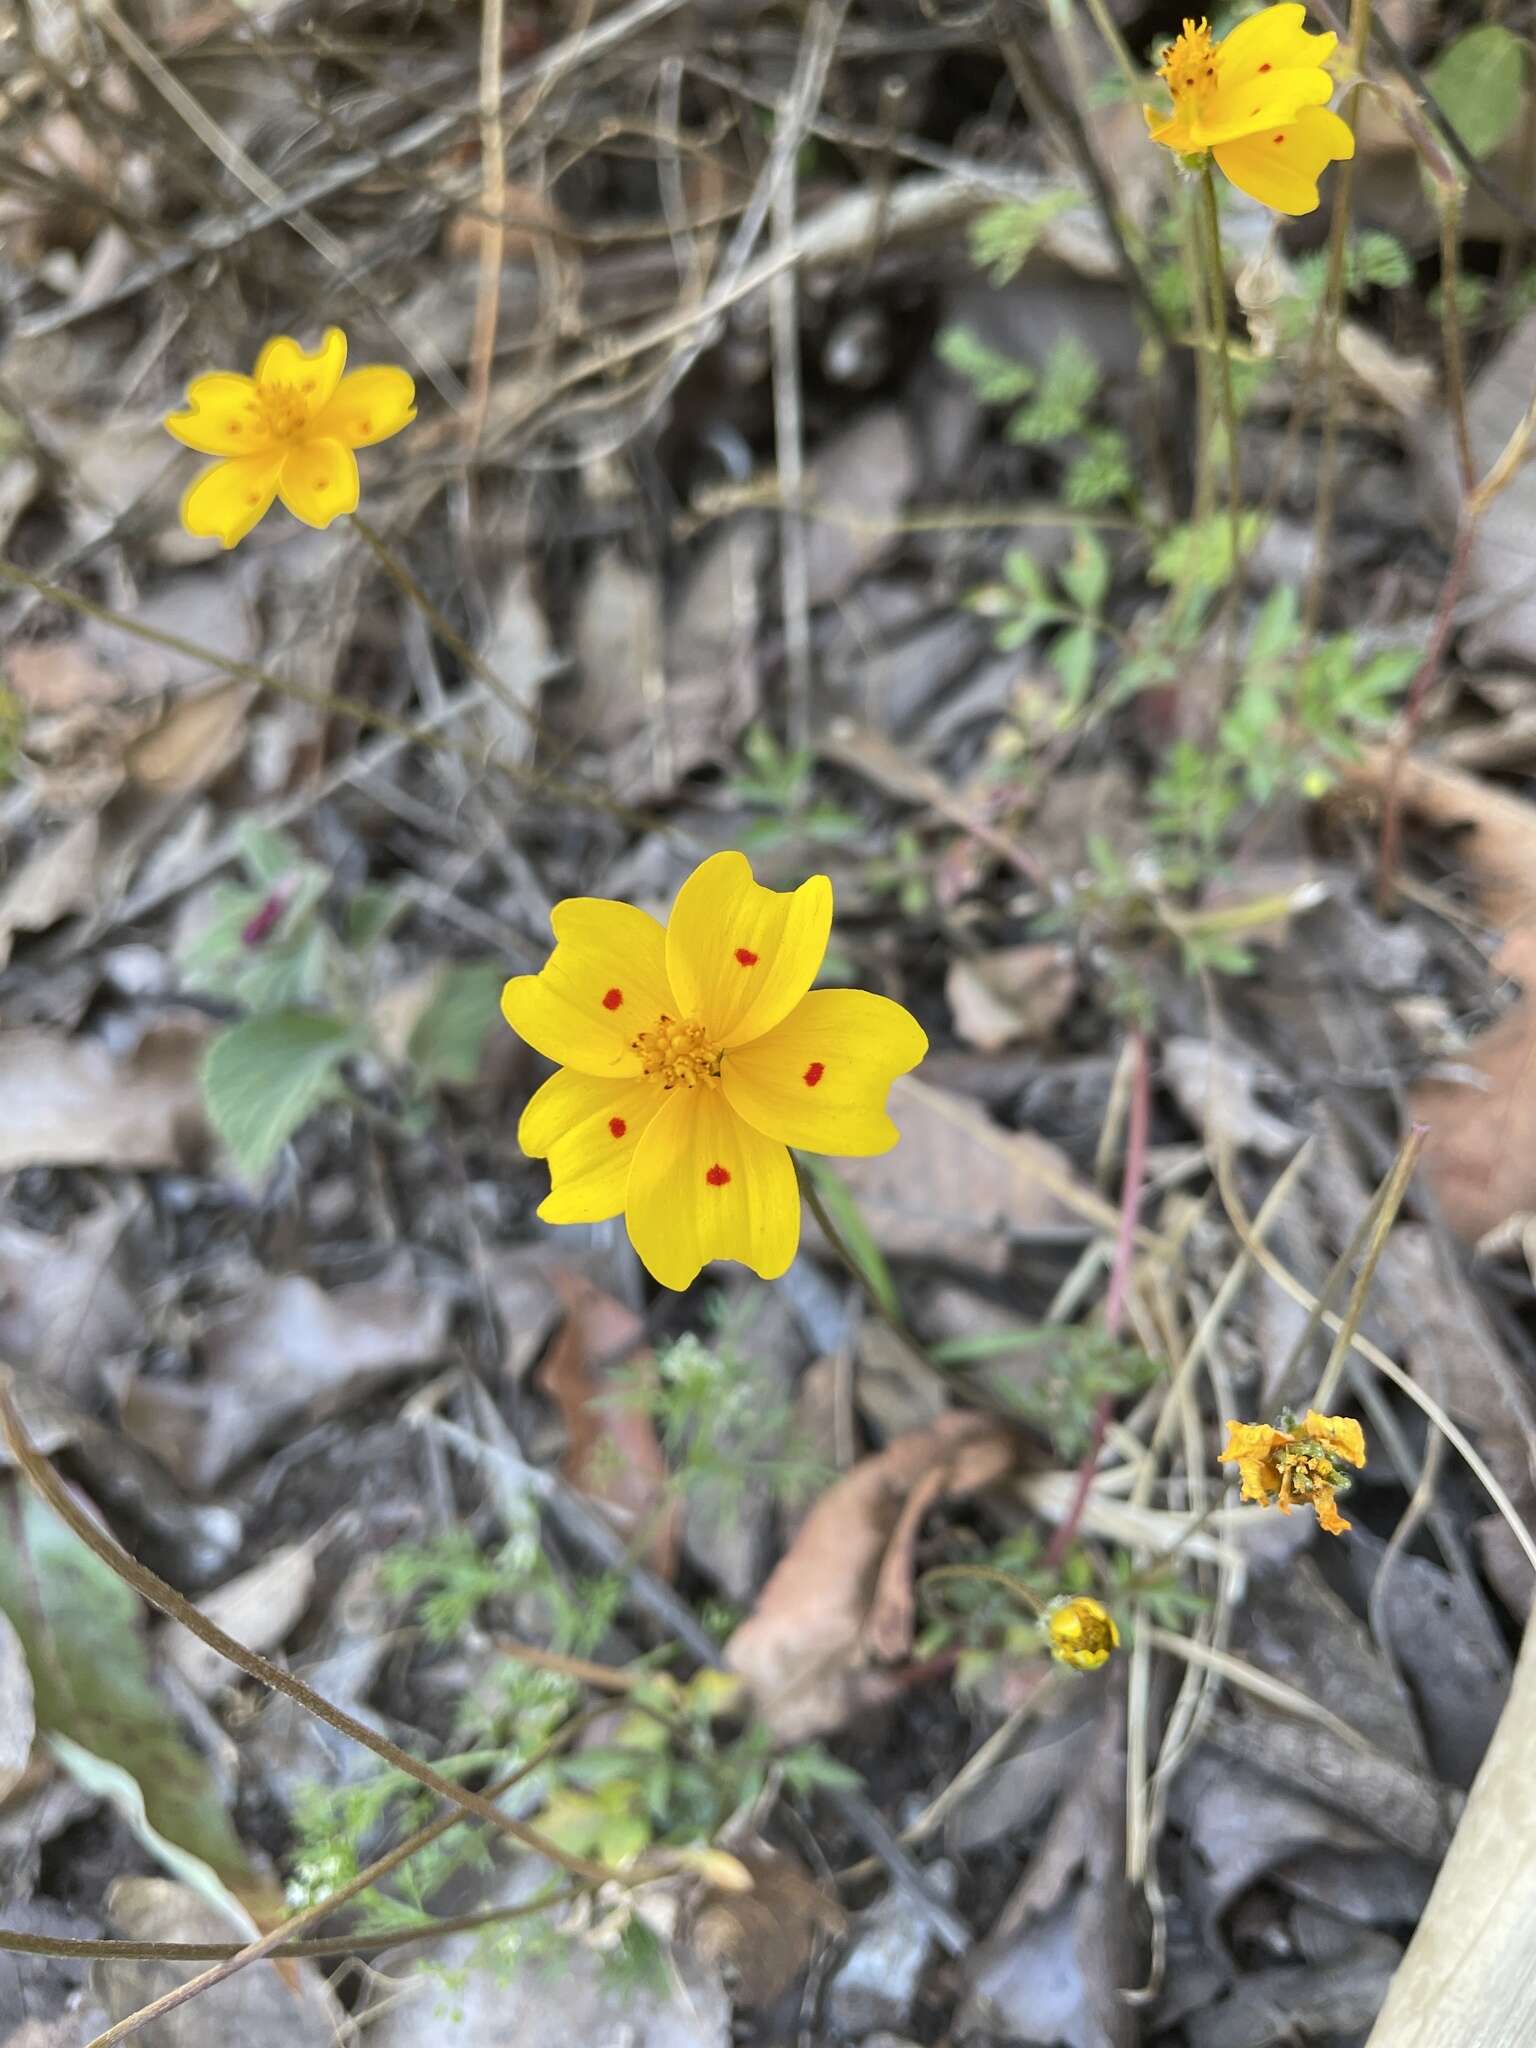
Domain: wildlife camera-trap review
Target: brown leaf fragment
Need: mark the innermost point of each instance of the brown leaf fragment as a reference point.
(74, 1102)
(290, 1349)
(841, 1597)
(612, 1452)
(59, 878)
(959, 1186)
(1018, 994)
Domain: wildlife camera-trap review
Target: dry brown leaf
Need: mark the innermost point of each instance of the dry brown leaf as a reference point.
(59, 675)
(72, 1102)
(841, 1596)
(290, 1350)
(63, 1306)
(611, 1448)
(960, 1187)
(196, 740)
(59, 877)
(764, 1937)
(1011, 996)
(1480, 1155)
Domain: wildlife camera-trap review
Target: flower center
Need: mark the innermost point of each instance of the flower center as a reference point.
(1188, 68)
(283, 410)
(678, 1055)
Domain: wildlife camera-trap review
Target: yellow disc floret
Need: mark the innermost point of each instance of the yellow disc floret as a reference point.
(678, 1054)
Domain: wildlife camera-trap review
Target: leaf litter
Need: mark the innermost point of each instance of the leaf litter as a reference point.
(277, 1326)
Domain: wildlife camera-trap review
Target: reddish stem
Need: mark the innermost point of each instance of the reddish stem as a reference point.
(1119, 1281)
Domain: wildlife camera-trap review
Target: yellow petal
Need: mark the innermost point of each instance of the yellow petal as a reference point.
(368, 406)
(1341, 1433)
(1281, 169)
(1260, 106)
(588, 1130)
(318, 481)
(227, 500)
(705, 1185)
(739, 956)
(605, 981)
(312, 378)
(1276, 39)
(222, 417)
(1328, 1516)
(819, 1080)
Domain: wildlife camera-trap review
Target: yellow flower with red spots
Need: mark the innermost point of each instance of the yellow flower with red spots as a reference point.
(1280, 1467)
(1082, 1632)
(1256, 100)
(287, 431)
(694, 1055)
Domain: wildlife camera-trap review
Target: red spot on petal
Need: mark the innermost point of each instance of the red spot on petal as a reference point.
(1279, 138)
(747, 959)
(612, 1000)
(617, 1126)
(813, 1073)
(1264, 67)
(717, 1176)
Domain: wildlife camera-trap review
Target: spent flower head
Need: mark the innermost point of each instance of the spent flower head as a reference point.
(1081, 1632)
(1298, 1462)
(694, 1055)
(287, 431)
(1256, 101)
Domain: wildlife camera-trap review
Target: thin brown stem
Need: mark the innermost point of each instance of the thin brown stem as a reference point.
(1390, 1201)
(42, 1477)
(1450, 333)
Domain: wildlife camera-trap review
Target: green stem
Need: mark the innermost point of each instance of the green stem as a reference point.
(1216, 278)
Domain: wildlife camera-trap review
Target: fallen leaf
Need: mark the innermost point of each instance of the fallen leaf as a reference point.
(1500, 569)
(63, 1305)
(260, 1608)
(82, 1630)
(840, 1600)
(617, 640)
(58, 675)
(1215, 1086)
(290, 1349)
(263, 2007)
(1018, 994)
(1480, 1155)
(764, 1938)
(960, 1187)
(58, 878)
(18, 1720)
(860, 482)
(611, 1449)
(73, 1102)
(196, 740)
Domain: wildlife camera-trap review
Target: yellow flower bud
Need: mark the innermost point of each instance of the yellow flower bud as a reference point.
(1082, 1632)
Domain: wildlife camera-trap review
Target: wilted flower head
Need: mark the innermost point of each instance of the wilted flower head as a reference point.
(694, 1055)
(1256, 100)
(1304, 1462)
(1082, 1632)
(287, 431)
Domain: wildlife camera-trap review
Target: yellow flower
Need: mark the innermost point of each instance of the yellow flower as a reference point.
(694, 1057)
(1256, 101)
(1279, 1467)
(287, 431)
(1082, 1632)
